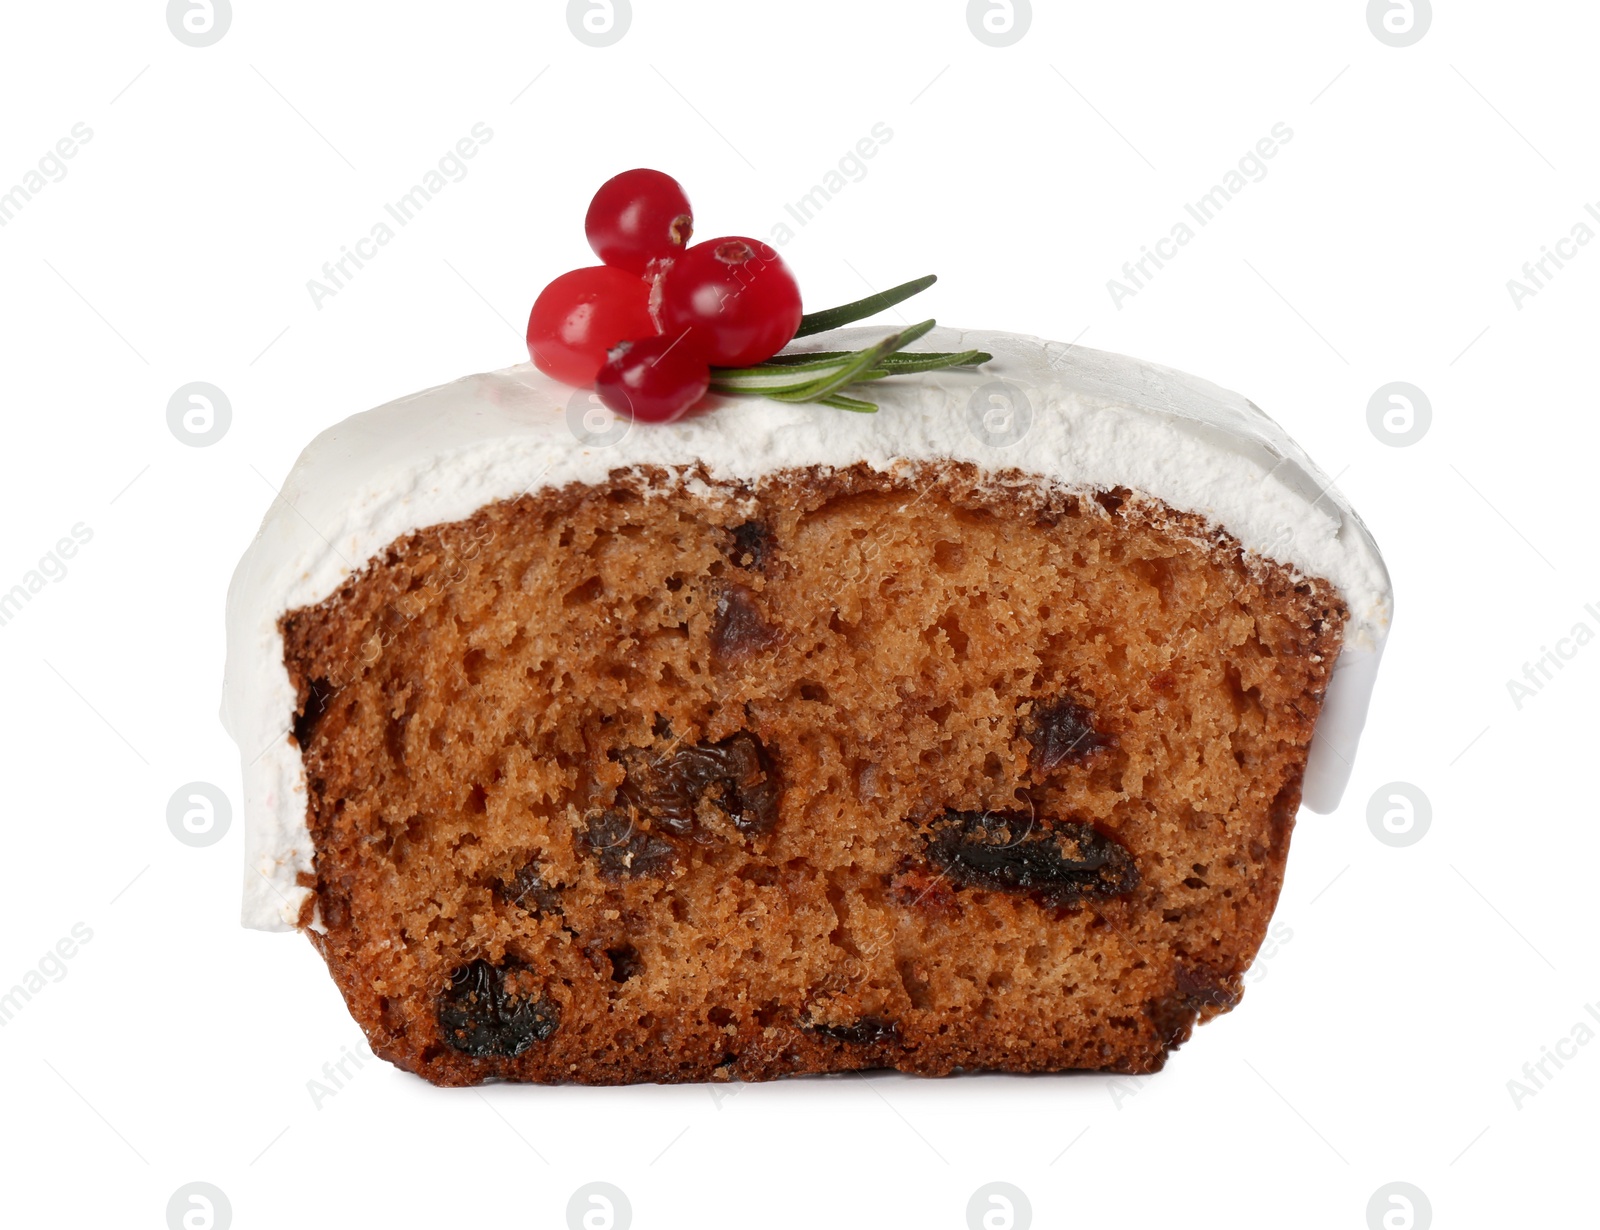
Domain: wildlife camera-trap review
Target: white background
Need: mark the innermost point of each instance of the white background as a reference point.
(1374, 1046)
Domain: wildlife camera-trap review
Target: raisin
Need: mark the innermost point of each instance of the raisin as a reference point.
(1063, 732)
(752, 545)
(1064, 863)
(1204, 988)
(480, 1017)
(1199, 995)
(527, 889)
(624, 849)
(735, 773)
(318, 693)
(868, 1031)
(737, 630)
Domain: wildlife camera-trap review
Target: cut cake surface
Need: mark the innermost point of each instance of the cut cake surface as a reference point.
(672, 772)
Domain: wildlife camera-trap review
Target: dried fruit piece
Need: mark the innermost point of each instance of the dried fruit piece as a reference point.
(738, 631)
(735, 773)
(527, 889)
(867, 1031)
(1199, 995)
(624, 849)
(1063, 732)
(1065, 863)
(480, 1016)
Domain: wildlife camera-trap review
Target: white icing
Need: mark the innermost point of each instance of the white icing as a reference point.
(1097, 421)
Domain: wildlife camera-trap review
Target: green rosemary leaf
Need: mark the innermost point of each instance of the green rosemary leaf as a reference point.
(907, 364)
(805, 356)
(912, 362)
(840, 402)
(909, 334)
(955, 358)
(833, 318)
(862, 361)
(752, 389)
(769, 368)
(820, 375)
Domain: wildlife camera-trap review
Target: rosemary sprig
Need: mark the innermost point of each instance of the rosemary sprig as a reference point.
(820, 375)
(835, 318)
(856, 366)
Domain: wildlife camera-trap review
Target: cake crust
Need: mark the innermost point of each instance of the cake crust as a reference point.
(666, 778)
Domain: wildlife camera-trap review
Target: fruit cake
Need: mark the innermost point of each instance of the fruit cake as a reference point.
(964, 735)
